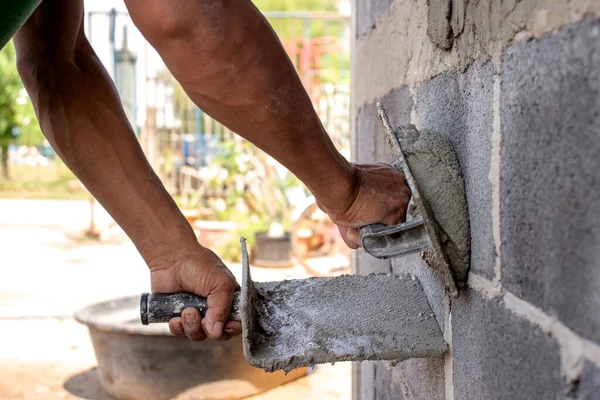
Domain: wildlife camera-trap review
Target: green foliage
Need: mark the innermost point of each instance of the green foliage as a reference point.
(17, 119)
(10, 85)
(18, 123)
(30, 133)
(296, 5)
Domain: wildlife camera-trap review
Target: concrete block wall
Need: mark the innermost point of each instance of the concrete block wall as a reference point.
(515, 86)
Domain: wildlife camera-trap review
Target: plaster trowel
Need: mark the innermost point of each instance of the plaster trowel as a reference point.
(296, 323)
(437, 223)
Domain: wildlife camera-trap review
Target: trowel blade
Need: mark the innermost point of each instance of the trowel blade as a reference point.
(291, 324)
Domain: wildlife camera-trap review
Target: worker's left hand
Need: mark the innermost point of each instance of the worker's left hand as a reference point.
(377, 194)
(196, 269)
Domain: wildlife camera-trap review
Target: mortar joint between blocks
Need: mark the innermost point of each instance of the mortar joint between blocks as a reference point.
(494, 176)
(574, 349)
(448, 357)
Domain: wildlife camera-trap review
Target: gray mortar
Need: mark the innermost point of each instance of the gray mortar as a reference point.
(435, 168)
(438, 23)
(346, 318)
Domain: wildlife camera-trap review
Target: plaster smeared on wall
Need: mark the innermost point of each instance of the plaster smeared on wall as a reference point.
(438, 23)
(401, 52)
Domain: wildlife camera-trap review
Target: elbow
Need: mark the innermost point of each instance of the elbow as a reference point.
(29, 70)
(34, 67)
(44, 72)
(41, 65)
(33, 58)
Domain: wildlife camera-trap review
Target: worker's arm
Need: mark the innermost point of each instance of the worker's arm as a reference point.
(232, 65)
(81, 116)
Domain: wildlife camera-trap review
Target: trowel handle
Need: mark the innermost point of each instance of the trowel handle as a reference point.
(156, 308)
(387, 241)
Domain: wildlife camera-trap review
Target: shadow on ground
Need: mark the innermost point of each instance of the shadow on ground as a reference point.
(87, 386)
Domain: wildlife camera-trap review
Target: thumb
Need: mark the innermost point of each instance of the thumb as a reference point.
(219, 306)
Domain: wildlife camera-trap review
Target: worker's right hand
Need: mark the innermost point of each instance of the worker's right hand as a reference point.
(196, 269)
(377, 194)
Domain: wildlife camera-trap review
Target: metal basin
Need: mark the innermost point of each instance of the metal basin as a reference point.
(147, 362)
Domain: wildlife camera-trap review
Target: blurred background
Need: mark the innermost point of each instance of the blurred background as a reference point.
(60, 251)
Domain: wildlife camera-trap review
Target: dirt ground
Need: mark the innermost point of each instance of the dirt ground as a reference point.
(49, 269)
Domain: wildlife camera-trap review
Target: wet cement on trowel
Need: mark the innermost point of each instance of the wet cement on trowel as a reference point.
(318, 320)
(435, 168)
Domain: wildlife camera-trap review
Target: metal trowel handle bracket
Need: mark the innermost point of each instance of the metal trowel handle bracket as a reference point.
(388, 241)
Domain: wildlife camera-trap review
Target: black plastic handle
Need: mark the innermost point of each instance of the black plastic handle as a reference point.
(155, 308)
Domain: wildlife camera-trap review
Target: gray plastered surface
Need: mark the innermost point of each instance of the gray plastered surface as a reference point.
(462, 111)
(368, 11)
(384, 378)
(550, 180)
(421, 378)
(371, 265)
(374, 145)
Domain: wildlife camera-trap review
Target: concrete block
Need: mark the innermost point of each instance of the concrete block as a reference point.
(368, 264)
(364, 380)
(497, 355)
(589, 384)
(420, 378)
(460, 107)
(387, 386)
(550, 179)
(366, 136)
(368, 12)
(372, 142)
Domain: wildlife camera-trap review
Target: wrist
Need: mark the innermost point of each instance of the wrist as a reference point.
(162, 251)
(340, 189)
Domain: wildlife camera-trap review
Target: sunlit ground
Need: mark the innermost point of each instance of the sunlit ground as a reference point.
(50, 181)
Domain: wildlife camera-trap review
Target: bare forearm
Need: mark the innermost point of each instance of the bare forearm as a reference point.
(80, 115)
(232, 65)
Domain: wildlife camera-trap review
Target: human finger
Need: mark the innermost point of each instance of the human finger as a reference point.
(192, 324)
(176, 327)
(219, 305)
